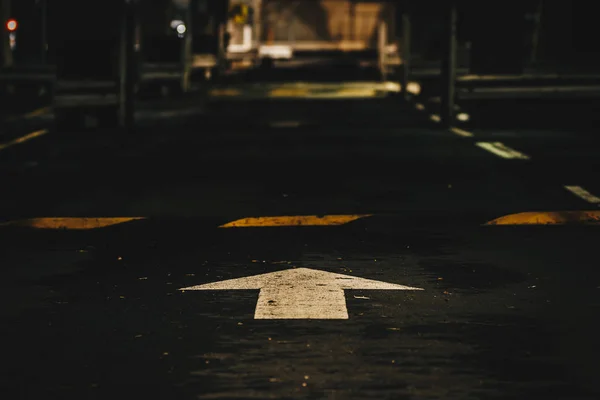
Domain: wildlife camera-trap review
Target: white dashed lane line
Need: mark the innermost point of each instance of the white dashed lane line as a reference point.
(501, 150)
(583, 194)
(461, 132)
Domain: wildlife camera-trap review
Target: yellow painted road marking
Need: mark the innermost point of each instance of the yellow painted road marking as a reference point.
(70, 223)
(34, 113)
(501, 150)
(38, 112)
(296, 220)
(224, 93)
(345, 93)
(289, 92)
(23, 139)
(549, 218)
(461, 132)
(583, 194)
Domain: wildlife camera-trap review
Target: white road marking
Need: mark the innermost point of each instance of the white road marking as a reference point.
(463, 117)
(583, 194)
(503, 151)
(461, 132)
(413, 88)
(300, 293)
(23, 139)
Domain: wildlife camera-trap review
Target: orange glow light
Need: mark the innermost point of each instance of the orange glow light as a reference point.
(11, 25)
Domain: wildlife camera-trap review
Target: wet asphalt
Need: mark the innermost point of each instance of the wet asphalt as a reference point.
(505, 312)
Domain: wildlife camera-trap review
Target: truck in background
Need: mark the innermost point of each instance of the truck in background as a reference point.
(300, 31)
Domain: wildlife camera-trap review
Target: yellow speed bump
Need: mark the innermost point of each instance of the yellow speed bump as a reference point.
(549, 218)
(70, 223)
(296, 220)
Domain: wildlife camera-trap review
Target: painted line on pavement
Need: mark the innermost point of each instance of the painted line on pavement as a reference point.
(23, 139)
(224, 93)
(37, 113)
(463, 117)
(295, 220)
(300, 293)
(70, 223)
(461, 132)
(583, 194)
(288, 92)
(34, 113)
(549, 218)
(502, 150)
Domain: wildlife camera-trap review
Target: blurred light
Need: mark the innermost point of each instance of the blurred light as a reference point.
(413, 87)
(463, 117)
(13, 40)
(277, 52)
(11, 25)
(348, 93)
(392, 86)
(226, 92)
(285, 124)
(175, 23)
(391, 48)
(181, 29)
(289, 92)
(435, 118)
(246, 45)
(420, 107)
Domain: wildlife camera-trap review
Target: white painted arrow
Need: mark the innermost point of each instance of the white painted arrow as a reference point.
(300, 293)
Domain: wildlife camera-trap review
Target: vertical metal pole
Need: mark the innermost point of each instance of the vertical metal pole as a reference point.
(381, 46)
(44, 38)
(406, 52)
(187, 50)
(535, 39)
(127, 66)
(222, 51)
(449, 67)
(5, 50)
(352, 21)
(258, 16)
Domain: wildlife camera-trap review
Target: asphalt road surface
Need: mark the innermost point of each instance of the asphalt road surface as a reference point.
(389, 284)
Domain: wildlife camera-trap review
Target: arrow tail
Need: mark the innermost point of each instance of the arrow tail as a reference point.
(301, 303)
